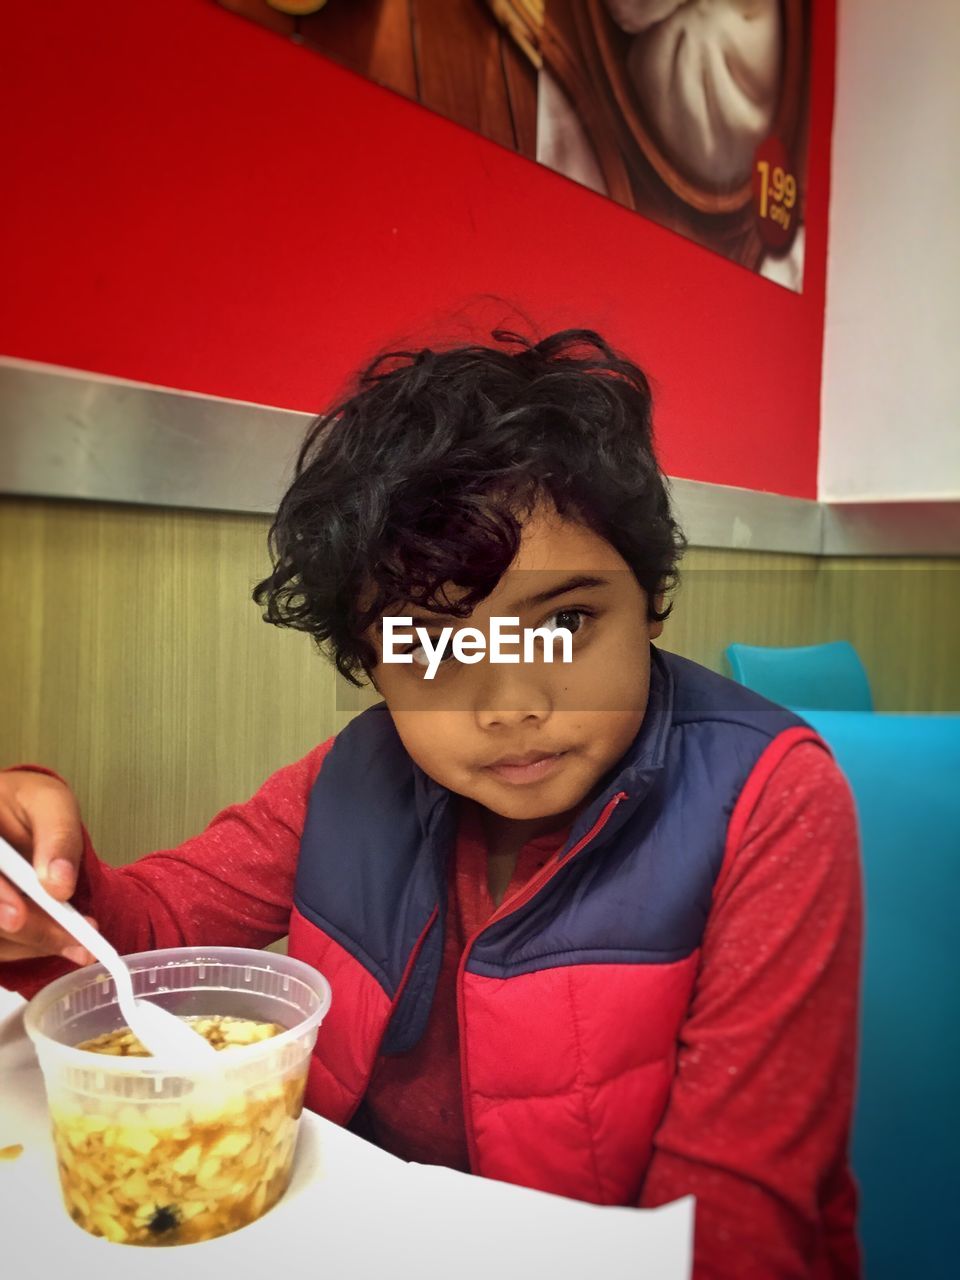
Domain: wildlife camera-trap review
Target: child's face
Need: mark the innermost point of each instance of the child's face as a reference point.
(587, 712)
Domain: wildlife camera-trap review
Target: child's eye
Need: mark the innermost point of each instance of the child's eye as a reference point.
(422, 659)
(568, 620)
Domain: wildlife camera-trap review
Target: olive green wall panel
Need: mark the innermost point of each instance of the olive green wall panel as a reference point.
(902, 615)
(134, 662)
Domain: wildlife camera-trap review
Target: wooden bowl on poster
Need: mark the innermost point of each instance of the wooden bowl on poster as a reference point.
(608, 43)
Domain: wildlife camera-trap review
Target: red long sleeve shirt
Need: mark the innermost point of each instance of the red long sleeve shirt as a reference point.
(758, 1118)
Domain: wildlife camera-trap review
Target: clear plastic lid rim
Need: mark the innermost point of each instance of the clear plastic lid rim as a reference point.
(175, 957)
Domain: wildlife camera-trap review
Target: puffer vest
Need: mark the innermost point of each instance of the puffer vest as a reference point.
(571, 997)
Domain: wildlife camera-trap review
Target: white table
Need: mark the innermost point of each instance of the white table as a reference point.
(352, 1210)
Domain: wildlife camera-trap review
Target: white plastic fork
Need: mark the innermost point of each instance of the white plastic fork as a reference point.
(162, 1032)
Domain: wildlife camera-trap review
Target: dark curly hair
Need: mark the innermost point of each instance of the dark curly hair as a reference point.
(424, 476)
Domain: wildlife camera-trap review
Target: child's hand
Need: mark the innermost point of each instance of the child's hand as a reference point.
(39, 816)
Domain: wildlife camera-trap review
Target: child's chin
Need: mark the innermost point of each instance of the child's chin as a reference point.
(544, 799)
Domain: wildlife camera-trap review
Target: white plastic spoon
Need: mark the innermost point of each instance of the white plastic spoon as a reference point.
(163, 1033)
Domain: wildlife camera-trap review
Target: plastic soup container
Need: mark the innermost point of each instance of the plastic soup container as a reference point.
(154, 1155)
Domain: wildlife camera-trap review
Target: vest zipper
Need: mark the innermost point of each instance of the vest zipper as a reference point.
(505, 909)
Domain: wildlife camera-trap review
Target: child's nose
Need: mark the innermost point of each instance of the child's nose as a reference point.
(510, 696)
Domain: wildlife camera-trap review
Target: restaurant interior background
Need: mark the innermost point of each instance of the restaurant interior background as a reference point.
(206, 207)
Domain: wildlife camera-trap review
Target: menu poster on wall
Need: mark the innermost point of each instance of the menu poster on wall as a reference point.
(692, 113)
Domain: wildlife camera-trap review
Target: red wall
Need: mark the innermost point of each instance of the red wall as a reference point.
(201, 204)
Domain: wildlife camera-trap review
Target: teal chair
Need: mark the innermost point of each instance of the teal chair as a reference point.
(904, 771)
(830, 676)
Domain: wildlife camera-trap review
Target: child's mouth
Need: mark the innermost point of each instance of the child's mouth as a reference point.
(531, 772)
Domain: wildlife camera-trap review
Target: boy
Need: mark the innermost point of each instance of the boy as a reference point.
(592, 926)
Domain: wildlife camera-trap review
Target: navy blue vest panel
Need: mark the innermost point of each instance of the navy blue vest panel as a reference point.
(367, 872)
(640, 893)
(379, 831)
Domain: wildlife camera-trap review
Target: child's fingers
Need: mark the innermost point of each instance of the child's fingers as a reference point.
(13, 909)
(13, 951)
(33, 931)
(27, 928)
(49, 811)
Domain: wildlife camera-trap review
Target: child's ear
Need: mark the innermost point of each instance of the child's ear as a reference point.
(656, 628)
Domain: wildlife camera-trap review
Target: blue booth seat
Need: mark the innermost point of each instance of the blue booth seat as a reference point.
(829, 676)
(904, 771)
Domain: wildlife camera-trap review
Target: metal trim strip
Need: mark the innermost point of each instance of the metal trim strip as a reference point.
(74, 435)
(891, 529)
(717, 515)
